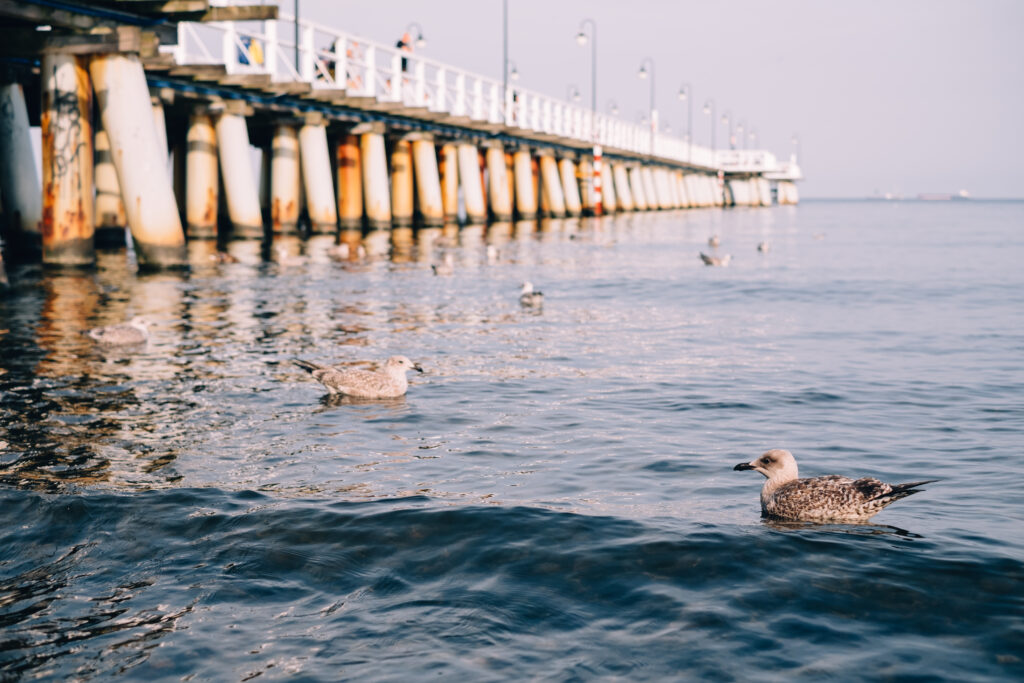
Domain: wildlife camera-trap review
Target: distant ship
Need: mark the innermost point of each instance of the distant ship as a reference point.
(944, 197)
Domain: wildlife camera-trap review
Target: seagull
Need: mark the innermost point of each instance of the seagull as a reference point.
(222, 257)
(339, 252)
(831, 498)
(715, 260)
(763, 246)
(713, 241)
(284, 258)
(135, 331)
(529, 297)
(388, 383)
(446, 267)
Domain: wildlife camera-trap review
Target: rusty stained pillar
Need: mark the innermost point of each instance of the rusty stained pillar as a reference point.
(284, 180)
(570, 188)
(401, 183)
(315, 161)
(350, 183)
(120, 86)
(68, 210)
(526, 196)
(111, 220)
(553, 199)
(376, 190)
(428, 180)
(624, 198)
(202, 188)
(447, 166)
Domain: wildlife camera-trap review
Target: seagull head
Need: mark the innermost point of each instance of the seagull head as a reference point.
(527, 287)
(403, 363)
(140, 321)
(774, 464)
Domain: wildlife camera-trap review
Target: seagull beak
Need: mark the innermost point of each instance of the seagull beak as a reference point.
(417, 367)
(743, 466)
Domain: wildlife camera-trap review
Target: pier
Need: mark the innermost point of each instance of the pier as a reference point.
(152, 114)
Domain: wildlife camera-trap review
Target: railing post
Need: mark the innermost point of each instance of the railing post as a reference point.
(370, 77)
(307, 54)
(493, 111)
(460, 95)
(478, 99)
(340, 49)
(441, 97)
(508, 107)
(181, 49)
(396, 78)
(271, 48)
(229, 49)
(421, 84)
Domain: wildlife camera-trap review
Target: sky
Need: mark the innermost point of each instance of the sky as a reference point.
(884, 96)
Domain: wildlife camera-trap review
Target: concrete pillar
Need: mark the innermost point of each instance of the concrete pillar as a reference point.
(350, 183)
(551, 185)
(401, 184)
(284, 180)
(428, 181)
(240, 187)
(664, 195)
(120, 86)
(110, 217)
(201, 183)
(526, 198)
(764, 190)
(448, 168)
(585, 169)
(68, 201)
(376, 193)
(609, 198)
(570, 188)
(623, 196)
(499, 188)
(20, 188)
(636, 186)
(650, 191)
(315, 160)
(682, 193)
(160, 123)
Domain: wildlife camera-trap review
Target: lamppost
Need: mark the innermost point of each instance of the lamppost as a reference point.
(709, 108)
(421, 42)
(740, 127)
(504, 60)
(642, 74)
(753, 138)
(613, 107)
(795, 140)
(581, 39)
(684, 94)
(726, 119)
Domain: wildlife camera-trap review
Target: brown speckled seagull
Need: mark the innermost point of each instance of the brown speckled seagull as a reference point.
(831, 498)
(133, 332)
(391, 382)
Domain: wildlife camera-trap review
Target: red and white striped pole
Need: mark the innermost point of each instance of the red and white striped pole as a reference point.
(598, 194)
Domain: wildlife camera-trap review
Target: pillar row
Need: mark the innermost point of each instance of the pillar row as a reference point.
(350, 183)
(570, 188)
(284, 179)
(315, 162)
(201, 183)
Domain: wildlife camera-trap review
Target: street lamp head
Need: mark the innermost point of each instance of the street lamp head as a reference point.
(682, 93)
(707, 107)
(642, 74)
(421, 42)
(725, 118)
(581, 38)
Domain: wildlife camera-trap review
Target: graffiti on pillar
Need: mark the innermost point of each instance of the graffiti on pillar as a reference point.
(65, 129)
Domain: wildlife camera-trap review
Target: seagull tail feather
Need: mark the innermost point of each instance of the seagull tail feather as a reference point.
(306, 365)
(903, 490)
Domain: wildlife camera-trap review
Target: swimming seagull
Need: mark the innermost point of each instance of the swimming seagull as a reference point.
(446, 267)
(713, 241)
(763, 246)
(831, 498)
(135, 331)
(528, 296)
(388, 383)
(715, 260)
(286, 259)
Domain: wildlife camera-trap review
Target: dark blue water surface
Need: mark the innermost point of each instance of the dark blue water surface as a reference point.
(554, 498)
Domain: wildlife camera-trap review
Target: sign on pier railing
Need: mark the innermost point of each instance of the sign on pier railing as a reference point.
(363, 71)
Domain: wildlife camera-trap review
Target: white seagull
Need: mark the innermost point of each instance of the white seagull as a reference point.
(391, 382)
(528, 296)
(831, 498)
(715, 260)
(135, 331)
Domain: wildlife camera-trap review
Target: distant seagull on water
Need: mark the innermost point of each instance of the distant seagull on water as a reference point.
(135, 331)
(715, 260)
(713, 241)
(446, 267)
(391, 382)
(763, 246)
(528, 296)
(831, 498)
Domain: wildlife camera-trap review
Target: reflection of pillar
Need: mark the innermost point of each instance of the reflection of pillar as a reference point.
(636, 187)
(376, 195)
(350, 183)
(110, 217)
(19, 180)
(526, 198)
(448, 168)
(284, 180)
(586, 174)
(551, 185)
(401, 183)
(201, 183)
(68, 200)
(317, 176)
(570, 188)
(428, 181)
(609, 200)
(240, 188)
(497, 171)
(622, 193)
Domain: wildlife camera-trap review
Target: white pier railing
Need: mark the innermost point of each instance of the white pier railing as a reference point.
(376, 76)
